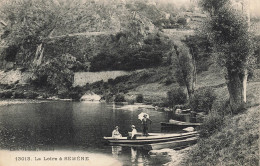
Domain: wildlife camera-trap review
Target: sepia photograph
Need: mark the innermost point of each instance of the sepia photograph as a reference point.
(129, 82)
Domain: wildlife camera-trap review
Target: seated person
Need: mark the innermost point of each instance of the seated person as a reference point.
(115, 133)
(134, 132)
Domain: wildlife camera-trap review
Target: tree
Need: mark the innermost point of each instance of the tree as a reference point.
(186, 69)
(229, 30)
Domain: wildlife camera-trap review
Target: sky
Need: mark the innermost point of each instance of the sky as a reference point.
(255, 7)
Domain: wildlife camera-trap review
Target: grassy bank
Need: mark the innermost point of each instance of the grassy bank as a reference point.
(229, 139)
(236, 143)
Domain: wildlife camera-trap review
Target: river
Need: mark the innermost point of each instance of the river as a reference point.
(75, 126)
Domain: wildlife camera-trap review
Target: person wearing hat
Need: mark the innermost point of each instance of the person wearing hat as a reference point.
(134, 132)
(115, 133)
(145, 121)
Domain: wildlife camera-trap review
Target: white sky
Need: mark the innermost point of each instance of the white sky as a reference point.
(255, 7)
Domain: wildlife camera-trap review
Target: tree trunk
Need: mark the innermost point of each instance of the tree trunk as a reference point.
(237, 91)
(245, 76)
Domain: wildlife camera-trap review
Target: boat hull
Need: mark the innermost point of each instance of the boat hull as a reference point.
(177, 125)
(153, 138)
(172, 144)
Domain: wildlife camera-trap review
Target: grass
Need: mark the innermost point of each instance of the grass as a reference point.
(235, 144)
(235, 141)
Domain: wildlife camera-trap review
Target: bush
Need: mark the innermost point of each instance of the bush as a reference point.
(108, 97)
(203, 100)
(212, 123)
(169, 81)
(235, 143)
(119, 98)
(176, 96)
(182, 21)
(6, 94)
(139, 98)
(18, 95)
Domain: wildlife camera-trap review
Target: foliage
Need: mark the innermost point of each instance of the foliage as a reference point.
(235, 143)
(201, 49)
(32, 22)
(55, 73)
(257, 50)
(6, 94)
(182, 21)
(233, 40)
(176, 96)
(29, 22)
(184, 65)
(170, 80)
(203, 100)
(212, 123)
(122, 57)
(10, 53)
(228, 29)
(185, 72)
(119, 98)
(139, 98)
(213, 6)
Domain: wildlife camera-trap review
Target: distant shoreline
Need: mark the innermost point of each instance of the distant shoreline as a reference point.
(6, 102)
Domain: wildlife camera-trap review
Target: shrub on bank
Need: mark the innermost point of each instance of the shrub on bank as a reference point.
(119, 98)
(139, 98)
(212, 123)
(236, 143)
(176, 96)
(18, 95)
(6, 94)
(203, 100)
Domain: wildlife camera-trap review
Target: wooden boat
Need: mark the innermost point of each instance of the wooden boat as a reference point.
(151, 139)
(172, 144)
(177, 125)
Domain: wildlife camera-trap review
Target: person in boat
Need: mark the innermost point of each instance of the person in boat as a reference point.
(115, 133)
(134, 132)
(145, 122)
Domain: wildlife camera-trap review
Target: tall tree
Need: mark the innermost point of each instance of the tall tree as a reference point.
(229, 29)
(186, 68)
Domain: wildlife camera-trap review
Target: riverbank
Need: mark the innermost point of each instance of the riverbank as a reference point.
(5, 102)
(235, 143)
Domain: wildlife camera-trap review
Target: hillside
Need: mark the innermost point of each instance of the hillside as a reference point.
(51, 41)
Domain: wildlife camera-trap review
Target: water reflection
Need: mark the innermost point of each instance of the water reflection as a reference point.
(72, 125)
(37, 126)
(133, 155)
(116, 151)
(137, 156)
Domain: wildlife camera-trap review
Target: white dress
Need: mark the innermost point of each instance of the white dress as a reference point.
(134, 132)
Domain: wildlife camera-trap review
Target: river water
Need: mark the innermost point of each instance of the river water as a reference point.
(75, 126)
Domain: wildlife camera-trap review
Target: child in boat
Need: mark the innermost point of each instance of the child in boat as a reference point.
(134, 132)
(115, 133)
